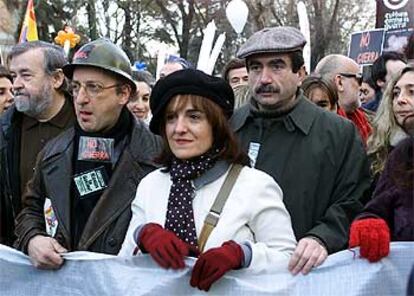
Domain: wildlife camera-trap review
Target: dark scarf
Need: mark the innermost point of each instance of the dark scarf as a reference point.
(180, 215)
(82, 207)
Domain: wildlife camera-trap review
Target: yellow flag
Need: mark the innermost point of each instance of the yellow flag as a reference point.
(29, 27)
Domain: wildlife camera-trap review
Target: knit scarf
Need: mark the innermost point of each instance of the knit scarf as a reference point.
(180, 215)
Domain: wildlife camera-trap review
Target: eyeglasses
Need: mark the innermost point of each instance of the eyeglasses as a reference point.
(92, 89)
(357, 76)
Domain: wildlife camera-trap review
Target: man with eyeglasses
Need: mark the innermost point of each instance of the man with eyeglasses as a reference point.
(86, 178)
(347, 78)
(42, 110)
(316, 157)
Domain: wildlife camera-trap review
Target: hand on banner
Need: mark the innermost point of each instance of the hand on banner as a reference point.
(309, 253)
(164, 246)
(373, 236)
(45, 252)
(214, 263)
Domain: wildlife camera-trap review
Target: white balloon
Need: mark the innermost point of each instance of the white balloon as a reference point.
(237, 12)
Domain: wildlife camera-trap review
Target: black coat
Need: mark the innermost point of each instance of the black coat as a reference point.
(107, 224)
(10, 182)
(318, 160)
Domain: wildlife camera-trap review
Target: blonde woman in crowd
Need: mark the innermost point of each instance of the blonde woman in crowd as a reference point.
(386, 133)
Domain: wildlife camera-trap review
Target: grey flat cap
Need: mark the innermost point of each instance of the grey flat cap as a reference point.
(275, 39)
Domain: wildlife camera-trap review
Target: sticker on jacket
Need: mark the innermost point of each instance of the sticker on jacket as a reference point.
(50, 218)
(91, 181)
(254, 149)
(96, 149)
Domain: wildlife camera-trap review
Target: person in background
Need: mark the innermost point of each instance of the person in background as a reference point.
(382, 70)
(253, 230)
(88, 175)
(139, 103)
(388, 216)
(386, 134)
(42, 110)
(367, 91)
(316, 157)
(321, 92)
(172, 64)
(344, 73)
(235, 73)
(6, 89)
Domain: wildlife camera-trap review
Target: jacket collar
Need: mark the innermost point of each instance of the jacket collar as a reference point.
(142, 153)
(219, 169)
(301, 116)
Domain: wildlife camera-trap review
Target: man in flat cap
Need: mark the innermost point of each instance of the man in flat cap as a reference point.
(317, 157)
(85, 180)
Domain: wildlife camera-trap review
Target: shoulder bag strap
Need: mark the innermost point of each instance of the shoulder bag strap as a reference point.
(214, 215)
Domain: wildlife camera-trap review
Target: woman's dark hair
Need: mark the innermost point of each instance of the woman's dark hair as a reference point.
(4, 73)
(313, 81)
(224, 138)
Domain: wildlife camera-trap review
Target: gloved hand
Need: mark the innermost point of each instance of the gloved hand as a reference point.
(214, 263)
(373, 237)
(164, 246)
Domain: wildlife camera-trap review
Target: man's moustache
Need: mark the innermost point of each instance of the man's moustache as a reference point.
(267, 89)
(19, 94)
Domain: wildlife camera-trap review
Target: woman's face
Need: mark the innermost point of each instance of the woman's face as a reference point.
(139, 105)
(6, 94)
(403, 101)
(188, 132)
(366, 93)
(321, 98)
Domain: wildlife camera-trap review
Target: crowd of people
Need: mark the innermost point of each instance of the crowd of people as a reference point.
(267, 167)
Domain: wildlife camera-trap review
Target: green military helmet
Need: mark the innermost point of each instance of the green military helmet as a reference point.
(103, 54)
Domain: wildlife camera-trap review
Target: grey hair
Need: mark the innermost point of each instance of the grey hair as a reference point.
(329, 66)
(54, 56)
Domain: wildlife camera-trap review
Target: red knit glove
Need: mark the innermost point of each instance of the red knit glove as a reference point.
(163, 246)
(214, 263)
(373, 236)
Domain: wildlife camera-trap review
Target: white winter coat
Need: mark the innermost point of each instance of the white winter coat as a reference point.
(254, 214)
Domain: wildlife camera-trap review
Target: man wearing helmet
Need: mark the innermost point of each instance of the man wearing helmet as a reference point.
(42, 110)
(87, 177)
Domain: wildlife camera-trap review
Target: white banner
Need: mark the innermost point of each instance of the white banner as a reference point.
(85, 273)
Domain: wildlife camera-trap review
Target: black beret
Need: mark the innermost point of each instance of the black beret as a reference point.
(189, 82)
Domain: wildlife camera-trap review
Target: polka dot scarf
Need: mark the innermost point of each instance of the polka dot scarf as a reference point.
(180, 215)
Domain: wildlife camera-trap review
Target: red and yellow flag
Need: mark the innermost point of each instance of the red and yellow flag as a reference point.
(29, 27)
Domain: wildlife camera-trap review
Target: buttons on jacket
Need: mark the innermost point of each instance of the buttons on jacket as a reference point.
(112, 242)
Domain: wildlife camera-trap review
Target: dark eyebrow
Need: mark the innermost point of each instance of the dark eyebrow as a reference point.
(249, 62)
(277, 61)
(193, 110)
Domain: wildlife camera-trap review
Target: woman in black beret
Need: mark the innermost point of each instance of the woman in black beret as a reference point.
(183, 209)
